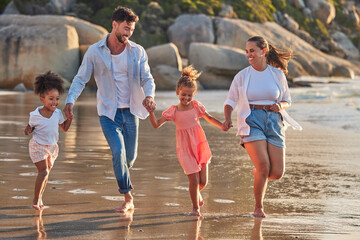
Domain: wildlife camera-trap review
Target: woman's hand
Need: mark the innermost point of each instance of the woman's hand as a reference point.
(276, 107)
(227, 125)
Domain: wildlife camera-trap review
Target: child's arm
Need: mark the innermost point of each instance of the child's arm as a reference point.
(213, 121)
(156, 123)
(66, 124)
(28, 129)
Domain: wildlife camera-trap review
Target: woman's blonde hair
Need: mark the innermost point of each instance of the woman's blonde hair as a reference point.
(275, 57)
(188, 78)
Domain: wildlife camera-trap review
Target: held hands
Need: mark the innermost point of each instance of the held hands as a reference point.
(28, 129)
(68, 110)
(149, 104)
(226, 125)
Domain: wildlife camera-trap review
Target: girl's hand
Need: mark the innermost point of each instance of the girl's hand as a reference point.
(227, 125)
(28, 129)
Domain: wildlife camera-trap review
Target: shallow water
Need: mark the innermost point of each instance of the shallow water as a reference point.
(318, 198)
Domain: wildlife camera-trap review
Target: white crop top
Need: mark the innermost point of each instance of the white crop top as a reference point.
(262, 88)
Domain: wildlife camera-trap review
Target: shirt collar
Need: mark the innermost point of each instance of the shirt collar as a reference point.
(103, 42)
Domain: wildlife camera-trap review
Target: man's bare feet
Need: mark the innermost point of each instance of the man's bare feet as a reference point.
(259, 212)
(201, 200)
(126, 206)
(195, 212)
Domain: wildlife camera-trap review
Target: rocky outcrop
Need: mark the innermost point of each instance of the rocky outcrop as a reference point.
(322, 9)
(190, 28)
(219, 64)
(165, 77)
(30, 50)
(234, 33)
(165, 54)
(34, 44)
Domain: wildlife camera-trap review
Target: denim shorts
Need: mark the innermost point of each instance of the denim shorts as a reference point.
(265, 125)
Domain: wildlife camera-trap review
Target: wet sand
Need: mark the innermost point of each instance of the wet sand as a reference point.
(318, 198)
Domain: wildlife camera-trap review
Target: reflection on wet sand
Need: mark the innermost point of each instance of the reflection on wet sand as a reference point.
(315, 199)
(256, 233)
(39, 224)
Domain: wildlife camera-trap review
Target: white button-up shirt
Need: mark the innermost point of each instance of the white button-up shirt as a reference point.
(97, 60)
(237, 97)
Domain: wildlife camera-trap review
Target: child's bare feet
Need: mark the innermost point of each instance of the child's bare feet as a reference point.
(201, 200)
(259, 212)
(195, 212)
(36, 205)
(126, 206)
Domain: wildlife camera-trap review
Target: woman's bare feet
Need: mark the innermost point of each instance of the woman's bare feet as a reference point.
(259, 212)
(195, 212)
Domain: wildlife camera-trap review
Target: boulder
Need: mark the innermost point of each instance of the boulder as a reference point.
(20, 88)
(165, 77)
(190, 28)
(30, 50)
(88, 33)
(165, 54)
(219, 64)
(342, 71)
(322, 9)
(299, 4)
(346, 45)
(11, 9)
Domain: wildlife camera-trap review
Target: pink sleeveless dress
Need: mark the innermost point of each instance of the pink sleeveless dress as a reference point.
(192, 148)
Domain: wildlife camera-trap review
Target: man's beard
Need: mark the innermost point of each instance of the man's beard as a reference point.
(119, 38)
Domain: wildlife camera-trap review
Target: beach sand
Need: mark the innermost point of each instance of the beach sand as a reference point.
(318, 197)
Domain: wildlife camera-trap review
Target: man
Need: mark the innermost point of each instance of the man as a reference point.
(126, 89)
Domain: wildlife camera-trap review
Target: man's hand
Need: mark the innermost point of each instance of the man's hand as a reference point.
(149, 104)
(68, 110)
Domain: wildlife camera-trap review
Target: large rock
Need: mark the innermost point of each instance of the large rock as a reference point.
(345, 44)
(342, 71)
(29, 50)
(166, 54)
(235, 32)
(190, 28)
(165, 77)
(322, 9)
(88, 33)
(30, 45)
(218, 64)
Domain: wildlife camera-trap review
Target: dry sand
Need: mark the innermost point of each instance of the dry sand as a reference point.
(318, 198)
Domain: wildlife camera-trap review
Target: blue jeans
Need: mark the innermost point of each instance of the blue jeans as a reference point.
(122, 137)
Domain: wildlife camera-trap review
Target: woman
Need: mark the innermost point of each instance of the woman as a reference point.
(262, 95)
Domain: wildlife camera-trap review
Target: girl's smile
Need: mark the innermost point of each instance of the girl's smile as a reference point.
(185, 96)
(50, 100)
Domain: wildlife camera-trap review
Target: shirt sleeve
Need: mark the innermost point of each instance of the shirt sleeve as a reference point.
(200, 108)
(233, 94)
(146, 79)
(31, 121)
(61, 117)
(169, 114)
(82, 77)
(286, 96)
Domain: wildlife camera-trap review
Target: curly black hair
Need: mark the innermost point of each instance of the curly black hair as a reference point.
(48, 81)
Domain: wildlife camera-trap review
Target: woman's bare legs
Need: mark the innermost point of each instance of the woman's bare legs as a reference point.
(269, 162)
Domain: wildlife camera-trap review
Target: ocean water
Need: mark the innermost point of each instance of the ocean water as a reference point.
(330, 102)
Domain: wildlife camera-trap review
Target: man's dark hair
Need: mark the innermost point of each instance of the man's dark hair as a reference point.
(48, 81)
(122, 14)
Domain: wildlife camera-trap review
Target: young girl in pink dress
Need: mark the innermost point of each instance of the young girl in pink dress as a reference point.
(193, 151)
